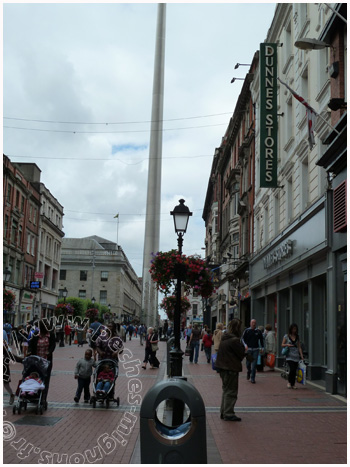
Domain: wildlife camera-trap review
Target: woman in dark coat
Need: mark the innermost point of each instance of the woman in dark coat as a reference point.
(229, 364)
(150, 354)
(43, 343)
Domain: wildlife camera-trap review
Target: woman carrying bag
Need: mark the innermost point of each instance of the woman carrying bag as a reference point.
(295, 353)
(151, 349)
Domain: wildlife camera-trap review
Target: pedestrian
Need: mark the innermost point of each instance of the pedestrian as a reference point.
(121, 332)
(95, 327)
(207, 342)
(43, 343)
(260, 361)
(130, 331)
(7, 355)
(270, 341)
(165, 329)
(67, 332)
(108, 343)
(295, 353)
(151, 349)
(217, 336)
(8, 329)
(196, 336)
(251, 339)
(160, 332)
(80, 336)
(142, 332)
(229, 364)
(188, 334)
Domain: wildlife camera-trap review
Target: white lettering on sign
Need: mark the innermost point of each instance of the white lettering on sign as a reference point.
(284, 251)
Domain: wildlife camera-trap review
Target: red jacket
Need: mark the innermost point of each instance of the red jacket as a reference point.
(207, 340)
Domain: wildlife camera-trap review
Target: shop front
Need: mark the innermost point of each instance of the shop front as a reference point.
(289, 285)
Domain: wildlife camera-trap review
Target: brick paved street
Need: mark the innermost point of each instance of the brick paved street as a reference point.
(278, 425)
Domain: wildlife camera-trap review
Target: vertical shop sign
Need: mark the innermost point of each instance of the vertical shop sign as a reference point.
(268, 115)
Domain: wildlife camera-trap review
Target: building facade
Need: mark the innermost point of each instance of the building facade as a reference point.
(21, 207)
(291, 243)
(93, 267)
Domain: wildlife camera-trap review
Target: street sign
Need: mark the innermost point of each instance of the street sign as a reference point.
(39, 275)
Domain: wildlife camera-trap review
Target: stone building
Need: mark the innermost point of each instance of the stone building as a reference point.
(93, 267)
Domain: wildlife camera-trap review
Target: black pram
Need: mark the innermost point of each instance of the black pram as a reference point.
(41, 366)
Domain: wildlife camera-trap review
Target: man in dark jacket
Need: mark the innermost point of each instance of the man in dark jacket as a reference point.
(229, 363)
(251, 339)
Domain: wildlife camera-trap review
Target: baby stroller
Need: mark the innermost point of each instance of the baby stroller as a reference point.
(39, 365)
(108, 396)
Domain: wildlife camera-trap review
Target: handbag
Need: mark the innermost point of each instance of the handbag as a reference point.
(270, 360)
(213, 361)
(301, 373)
(188, 351)
(285, 351)
(154, 347)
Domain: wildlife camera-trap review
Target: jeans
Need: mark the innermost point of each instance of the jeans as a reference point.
(103, 386)
(207, 351)
(195, 351)
(251, 366)
(83, 384)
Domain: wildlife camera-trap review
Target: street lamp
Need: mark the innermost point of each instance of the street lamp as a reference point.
(93, 300)
(64, 293)
(181, 215)
(109, 312)
(7, 275)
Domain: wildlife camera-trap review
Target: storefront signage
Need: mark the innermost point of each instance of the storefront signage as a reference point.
(282, 252)
(39, 275)
(35, 284)
(268, 115)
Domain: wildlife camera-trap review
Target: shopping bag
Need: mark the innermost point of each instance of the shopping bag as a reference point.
(301, 373)
(270, 360)
(285, 351)
(213, 361)
(188, 351)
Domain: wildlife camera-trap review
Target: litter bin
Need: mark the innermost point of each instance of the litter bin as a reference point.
(164, 444)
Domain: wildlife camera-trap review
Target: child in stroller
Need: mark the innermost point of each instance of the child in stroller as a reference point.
(32, 389)
(103, 384)
(31, 385)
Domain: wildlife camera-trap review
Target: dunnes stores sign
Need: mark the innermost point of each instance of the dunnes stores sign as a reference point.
(282, 252)
(268, 115)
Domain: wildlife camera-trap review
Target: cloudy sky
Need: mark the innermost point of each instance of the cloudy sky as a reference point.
(77, 82)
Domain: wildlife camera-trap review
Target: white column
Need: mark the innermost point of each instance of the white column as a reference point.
(151, 244)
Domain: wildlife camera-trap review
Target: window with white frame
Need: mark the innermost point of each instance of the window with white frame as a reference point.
(33, 246)
(82, 294)
(28, 243)
(288, 120)
(104, 276)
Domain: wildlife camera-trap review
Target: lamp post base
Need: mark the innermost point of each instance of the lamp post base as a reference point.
(176, 362)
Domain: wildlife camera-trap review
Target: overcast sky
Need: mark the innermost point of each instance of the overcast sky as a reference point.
(92, 64)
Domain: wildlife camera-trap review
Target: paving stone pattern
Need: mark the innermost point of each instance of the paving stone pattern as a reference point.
(279, 425)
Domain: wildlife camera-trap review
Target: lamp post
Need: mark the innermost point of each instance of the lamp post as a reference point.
(109, 312)
(181, 214)
(7, 275)
(64, 293)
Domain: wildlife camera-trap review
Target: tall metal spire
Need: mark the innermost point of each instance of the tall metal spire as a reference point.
(149, 294)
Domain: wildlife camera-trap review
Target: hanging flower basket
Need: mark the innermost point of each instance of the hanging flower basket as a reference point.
(167, 267)
(169, 303)
(91, 313)
(64, 308)
(9, 299)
